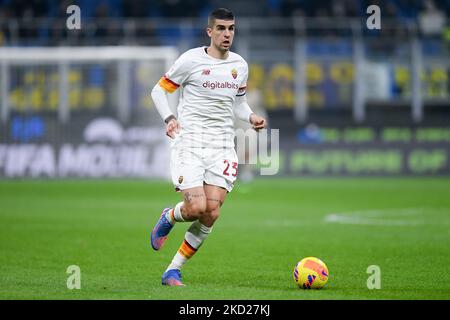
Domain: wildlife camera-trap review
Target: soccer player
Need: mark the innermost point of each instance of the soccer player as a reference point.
(203, 161)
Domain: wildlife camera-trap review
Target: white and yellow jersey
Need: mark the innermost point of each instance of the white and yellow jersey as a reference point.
(209, 87)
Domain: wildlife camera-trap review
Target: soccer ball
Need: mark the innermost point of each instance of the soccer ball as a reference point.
(310, 273)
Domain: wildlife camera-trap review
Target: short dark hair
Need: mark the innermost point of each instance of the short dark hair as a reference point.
(220, 13)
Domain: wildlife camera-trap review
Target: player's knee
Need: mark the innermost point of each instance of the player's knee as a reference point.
(213, 215)
(213, 205)
(196, 208)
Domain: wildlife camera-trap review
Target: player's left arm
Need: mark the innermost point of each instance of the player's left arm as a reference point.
(243, 112)
(241, 108)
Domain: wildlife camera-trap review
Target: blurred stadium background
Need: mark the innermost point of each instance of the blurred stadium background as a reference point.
(354, 101)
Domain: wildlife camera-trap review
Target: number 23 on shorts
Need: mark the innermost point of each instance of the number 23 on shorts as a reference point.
(234, 168)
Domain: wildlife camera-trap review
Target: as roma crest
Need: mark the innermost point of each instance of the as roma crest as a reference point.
(234, 73)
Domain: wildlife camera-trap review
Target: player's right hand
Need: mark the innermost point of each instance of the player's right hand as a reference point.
(172, 128)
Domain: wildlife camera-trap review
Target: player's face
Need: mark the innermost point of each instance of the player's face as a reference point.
(222, 34)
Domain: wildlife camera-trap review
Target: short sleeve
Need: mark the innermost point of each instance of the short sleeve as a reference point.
(176, 75)
(243, 84)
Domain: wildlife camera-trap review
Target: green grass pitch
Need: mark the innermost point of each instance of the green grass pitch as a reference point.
(401, 225)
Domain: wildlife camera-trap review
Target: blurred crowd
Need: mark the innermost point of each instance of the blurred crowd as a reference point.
(401, 9)
(18, 18)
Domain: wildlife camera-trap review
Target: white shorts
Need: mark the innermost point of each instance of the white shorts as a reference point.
(192, 167)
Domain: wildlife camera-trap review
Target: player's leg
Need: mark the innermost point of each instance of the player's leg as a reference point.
(192, 209)
(187, 176)
(215, 197)
(218, 181)
(199, 229)
(197, 232)
(193, 205)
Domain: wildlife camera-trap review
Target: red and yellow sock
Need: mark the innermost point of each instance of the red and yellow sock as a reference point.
(193, 239)
(187, 250)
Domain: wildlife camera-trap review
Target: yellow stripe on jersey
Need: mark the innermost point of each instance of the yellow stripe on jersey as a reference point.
(168, 84)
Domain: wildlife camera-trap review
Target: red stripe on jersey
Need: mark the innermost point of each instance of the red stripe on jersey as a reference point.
(170, 81)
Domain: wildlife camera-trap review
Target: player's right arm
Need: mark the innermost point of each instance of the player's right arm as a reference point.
(159, 96)
(170, 82)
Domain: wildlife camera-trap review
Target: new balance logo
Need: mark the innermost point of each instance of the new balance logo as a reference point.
(206, 72)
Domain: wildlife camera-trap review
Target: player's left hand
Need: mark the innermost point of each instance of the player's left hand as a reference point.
(257, 122)
(172, 128)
